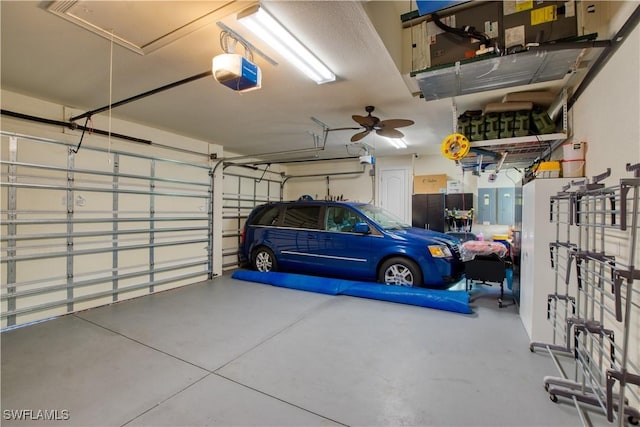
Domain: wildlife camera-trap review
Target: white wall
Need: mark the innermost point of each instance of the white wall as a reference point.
(346, 178)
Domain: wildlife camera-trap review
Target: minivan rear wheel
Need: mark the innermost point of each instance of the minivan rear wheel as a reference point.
(264, 260)
(400, 271)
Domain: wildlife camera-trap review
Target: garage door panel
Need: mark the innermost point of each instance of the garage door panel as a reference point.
(32, 271)
(243, 189)
(101, 225)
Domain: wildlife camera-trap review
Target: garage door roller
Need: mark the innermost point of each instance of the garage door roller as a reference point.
(455, 146)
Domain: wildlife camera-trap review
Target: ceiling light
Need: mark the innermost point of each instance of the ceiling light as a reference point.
(275, 35)
(398, 142)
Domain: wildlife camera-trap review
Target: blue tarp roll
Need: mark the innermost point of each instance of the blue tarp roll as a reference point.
(456, 301)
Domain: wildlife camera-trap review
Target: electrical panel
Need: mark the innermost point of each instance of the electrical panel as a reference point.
(506, 206)
(487, 206)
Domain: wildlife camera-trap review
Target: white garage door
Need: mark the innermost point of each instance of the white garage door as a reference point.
(85, 229)
(243, 189)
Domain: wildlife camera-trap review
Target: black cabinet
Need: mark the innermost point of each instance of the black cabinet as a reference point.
(459, 201)
(428, 211)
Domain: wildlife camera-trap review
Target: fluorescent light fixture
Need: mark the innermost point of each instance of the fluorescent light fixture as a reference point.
(263, 25)
(398, 142)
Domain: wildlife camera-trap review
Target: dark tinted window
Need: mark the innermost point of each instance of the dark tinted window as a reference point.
(302, 217)
(267, 216)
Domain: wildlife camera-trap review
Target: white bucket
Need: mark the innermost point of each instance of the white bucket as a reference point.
(572, 168)
(573, 150)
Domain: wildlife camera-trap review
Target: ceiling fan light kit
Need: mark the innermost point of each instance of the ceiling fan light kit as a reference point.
(267, 28)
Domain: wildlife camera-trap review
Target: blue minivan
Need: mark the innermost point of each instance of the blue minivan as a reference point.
(356, 241)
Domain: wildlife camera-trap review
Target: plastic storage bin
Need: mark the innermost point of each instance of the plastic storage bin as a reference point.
(464, 125)
(492, 125)
(507, 122)
(572, 168)
(542, 122)
(476, 129)
(548, 170)
(522, 123)
(573, 150)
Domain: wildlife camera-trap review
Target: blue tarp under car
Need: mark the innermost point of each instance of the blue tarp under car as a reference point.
(456, 301)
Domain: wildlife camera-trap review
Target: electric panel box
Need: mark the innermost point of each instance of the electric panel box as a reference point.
(487, 206)
(506, 206)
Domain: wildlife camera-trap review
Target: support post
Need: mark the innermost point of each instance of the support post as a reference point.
(12, 199)
(152, 237)
(114, 264)
(70, 178)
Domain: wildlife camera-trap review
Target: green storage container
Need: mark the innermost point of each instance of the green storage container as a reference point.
(522, 123)
(464, 124)
(542, 122)
(476, 131)
(507, 121)
(492, 125)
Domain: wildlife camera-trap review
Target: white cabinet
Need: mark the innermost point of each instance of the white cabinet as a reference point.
(537, 278)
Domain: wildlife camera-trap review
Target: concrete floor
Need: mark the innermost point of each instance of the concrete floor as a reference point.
(227, 352)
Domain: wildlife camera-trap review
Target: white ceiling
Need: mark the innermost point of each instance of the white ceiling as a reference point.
(55, 59)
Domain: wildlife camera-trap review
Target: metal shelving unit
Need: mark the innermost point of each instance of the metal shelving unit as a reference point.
(521, 151)
(595, 308)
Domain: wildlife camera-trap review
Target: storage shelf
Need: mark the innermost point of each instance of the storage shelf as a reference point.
(518, 140)
(521, 151)
(537, 65)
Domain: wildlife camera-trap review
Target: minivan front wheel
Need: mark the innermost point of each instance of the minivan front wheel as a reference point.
(400, 271)
(264, 260)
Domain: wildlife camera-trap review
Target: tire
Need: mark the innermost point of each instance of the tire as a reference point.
(264, 260)
(400, 271)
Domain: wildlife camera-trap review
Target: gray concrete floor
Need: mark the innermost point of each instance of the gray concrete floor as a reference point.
(227, 352)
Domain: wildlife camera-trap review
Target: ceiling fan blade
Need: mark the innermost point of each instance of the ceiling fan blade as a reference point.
(346, 128)
(366, 121)
(358, 136)
(389, 132)
(395, 123)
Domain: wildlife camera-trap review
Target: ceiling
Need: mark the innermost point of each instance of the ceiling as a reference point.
(48, 57)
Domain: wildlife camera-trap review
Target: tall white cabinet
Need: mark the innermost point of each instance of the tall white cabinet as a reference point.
(537, 278)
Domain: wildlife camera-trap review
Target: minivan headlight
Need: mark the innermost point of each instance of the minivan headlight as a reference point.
(439, 251)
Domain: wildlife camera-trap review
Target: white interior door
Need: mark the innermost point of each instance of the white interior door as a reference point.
(394, 193)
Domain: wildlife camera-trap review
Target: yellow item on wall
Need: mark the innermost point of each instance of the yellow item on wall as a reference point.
(455, 146)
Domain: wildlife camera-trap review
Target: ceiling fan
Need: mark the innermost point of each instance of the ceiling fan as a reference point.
(386, 128)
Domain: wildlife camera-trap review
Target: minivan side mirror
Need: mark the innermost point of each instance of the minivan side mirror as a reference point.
(361, 227)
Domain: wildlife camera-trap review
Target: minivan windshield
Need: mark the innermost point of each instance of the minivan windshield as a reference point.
(383, 218)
